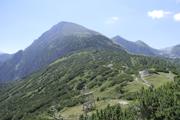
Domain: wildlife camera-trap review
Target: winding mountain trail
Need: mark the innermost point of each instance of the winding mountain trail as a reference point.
(143, 81)
(123, 102)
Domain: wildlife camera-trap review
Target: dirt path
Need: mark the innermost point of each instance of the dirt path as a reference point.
(170, 76)
(145, 82)
(123, 102)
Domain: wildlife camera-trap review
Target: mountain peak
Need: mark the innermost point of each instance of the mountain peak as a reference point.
(117, 37)
(140, 42)
(66, 23)
(67, 28)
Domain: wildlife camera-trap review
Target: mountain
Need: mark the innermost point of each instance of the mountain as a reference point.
(62, 39)
(141, 48)
(138, 47)
(172, 52)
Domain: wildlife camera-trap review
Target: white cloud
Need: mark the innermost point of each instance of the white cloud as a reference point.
(112, 20)
(115, 18)
(158, 14)
(177, 17)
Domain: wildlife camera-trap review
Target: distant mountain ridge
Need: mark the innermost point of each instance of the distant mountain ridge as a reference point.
(141, 48)
(172, 52)
(138, 47)
(62, 39)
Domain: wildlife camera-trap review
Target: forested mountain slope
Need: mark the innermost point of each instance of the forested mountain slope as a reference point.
(61, 82)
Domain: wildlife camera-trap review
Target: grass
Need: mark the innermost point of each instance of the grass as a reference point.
(108, 92)
(74, 112)
(156, 80)
(135, 86)
(159, 79)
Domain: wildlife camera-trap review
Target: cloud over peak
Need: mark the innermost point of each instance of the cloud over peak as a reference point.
(159, 14)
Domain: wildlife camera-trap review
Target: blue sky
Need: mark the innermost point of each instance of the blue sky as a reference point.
(156, 22)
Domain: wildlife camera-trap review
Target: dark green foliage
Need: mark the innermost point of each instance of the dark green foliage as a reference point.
(80, 85)
(162, 103)
(122, 78)
(109, 113)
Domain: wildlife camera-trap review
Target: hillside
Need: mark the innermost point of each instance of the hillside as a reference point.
(60, 84)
